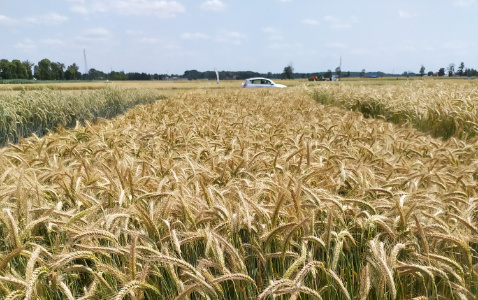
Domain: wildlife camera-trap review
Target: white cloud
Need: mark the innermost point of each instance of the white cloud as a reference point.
(158, 43)
(160, 9)
(26, 45)
(134, 32)
(407, 48)
(269, 30)
(405, 15)
(272, 33)
(452, 46)
(335, 45)
(230, 37)
(96, 34)
(149, 41)
(52, 19)
(46, 19)
(361, 51)
(337, 23)
(56, 42)
(286, 46)
(171, 46)
(213, 5)
(465, 3)
(310, 21)
(331, 19)
(194, 36)
(5, 20)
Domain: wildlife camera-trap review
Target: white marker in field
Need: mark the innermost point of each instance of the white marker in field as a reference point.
(217, 75)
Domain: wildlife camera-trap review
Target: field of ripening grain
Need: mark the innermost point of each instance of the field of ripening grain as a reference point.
(244, 194)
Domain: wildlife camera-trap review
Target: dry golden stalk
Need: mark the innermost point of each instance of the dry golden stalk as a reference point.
(365, 282)
(339, 283)
(134, 285)
(97, 234)
(274, 286)
(13, 228)
(66, 258)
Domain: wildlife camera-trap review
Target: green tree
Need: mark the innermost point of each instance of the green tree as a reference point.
(117, 75)
(7, 69)
(461, 68)
(28, 65)
(44, 69)
(288, 72)
(72, 72)
(362, 74)
(338, 71)
(192, 74)
(328, 74)
(20, 69)
(57, 71)
(441, 72)
(422, 71)
(94, 74)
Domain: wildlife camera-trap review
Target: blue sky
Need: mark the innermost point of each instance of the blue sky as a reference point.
(169, 37)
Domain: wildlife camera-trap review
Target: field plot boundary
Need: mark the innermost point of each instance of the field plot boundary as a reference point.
(442, 109)
(27, 113)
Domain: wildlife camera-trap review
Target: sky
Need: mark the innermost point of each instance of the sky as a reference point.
(170, 37)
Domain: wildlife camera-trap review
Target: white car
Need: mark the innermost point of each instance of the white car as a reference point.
(261, 82)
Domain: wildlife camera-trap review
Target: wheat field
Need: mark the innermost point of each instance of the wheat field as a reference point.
(239, 194)
(442, 108)
(37, 112)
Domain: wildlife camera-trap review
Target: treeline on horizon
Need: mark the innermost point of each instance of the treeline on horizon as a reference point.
(16, 70)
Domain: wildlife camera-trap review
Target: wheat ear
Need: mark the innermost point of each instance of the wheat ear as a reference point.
(422, 236)
(13, 228)
(236, 276)
(134, 285)
(365, 282)
(66, 290)
(184, 294)
(294, 267)
(96, 233)
(274, 286)
(339, 283)
(15, 294)
(31, 283)
(306, 268)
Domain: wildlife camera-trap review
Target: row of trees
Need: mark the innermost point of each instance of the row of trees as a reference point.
(44, 70)
(450, 71)
(48, 70)
(15, 69)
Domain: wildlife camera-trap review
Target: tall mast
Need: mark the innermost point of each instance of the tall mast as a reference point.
(86, 64)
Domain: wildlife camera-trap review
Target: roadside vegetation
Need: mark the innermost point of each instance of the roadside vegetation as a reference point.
(242, 194)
